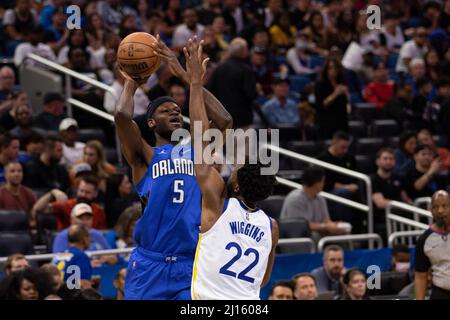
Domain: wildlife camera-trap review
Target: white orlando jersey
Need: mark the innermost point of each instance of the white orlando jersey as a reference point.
(231, 258)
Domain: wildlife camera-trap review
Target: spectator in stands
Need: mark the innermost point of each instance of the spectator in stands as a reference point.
(220, 33)
(354, 281)
(298, 57)
(318, 32)
(34, 44)
(96, 30)
(94, 155)
(338, 184)
(141, 100)
(14, 195)
(27, 284)
(9, 117)
(165, 78)
(391, 33)
(282, 32)
(401, 258)
(82, 214)
(19, 21)
(305, 287)
(422, 179)
(46, 14)
(57, 203)
(299, 11)
(34, 146)
(119, 283)
(122, 235)
(59, 287)
(404, 154)
(414, 48)
(281, 109)
(7, 88)
(77, 39)
(433, 65)
(79, 241)
(112, 12)
(240, 90)
(9, 151)
(15, 263)
(178, 93)
(309, 205)
(332, 97)
(308, 130)
(45, 172)
(53, 112)
(282, 290)
(73, 150)
(328, 277)
(386, 186)
(56, 35)
(381, 89)
(403, 99)
(262, 70)
(433, 250)
(211, 46)
(188, 29)
(417, 71)
(127, 26)
(443, 154)
(24, 123)
(119, 196)
(433, 109)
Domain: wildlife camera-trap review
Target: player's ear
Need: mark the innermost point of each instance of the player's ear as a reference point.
(236, 189)
(151, 123)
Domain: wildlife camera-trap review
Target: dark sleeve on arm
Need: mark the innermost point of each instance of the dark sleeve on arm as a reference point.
(421, 261)
(249, 84)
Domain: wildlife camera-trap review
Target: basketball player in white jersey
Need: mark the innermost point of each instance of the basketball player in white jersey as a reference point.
(236, 249)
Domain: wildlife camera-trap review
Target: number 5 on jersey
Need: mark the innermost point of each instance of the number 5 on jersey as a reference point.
(178, 191)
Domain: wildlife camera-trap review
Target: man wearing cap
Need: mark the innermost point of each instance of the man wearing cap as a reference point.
(82, 214)
(280, 109)
(72, 149)
(52, 114)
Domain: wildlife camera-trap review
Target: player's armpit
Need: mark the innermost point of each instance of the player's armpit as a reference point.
(275, 237)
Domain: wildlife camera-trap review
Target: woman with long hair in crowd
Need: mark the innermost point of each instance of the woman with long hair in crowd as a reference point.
(355, 285)
(404, 154)
(28, 284)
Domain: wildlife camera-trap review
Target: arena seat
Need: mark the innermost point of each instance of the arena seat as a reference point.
(441, 141)
(365, 164)
(15, 242)
(358, 129)
(14, 220)
(385, 128)
(294, 228)
(298, 82)
(393, 142)
(84, 135)
(272, 206)
(111, 155)
(368, 146)
(391, 283)
(307, 148)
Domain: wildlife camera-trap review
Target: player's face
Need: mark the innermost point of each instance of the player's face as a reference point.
(166, 119)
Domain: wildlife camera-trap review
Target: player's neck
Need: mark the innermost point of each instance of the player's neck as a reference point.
(161, 141)
(251, 206)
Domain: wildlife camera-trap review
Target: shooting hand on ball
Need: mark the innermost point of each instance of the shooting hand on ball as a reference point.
(195, 64)
(135, 83)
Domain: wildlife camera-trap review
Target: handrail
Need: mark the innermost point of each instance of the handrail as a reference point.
(50, 256)
(289, 241)
(350, 238)
(329, 196)
(423, 200)
(402, 234)
(70, 73)
(333, 167)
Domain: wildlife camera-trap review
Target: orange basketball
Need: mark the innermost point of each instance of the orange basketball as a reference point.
(136, 56)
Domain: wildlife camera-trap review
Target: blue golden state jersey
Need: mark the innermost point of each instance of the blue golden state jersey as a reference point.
(172, 215)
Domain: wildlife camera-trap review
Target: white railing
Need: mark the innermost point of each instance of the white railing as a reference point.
(294, 241)
(69, 74)
(351, 238)
(402, 234)
(398, 223)
(363, 177)
(423, 201)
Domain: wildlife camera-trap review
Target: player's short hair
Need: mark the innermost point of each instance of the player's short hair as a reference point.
(253, 186)
(312, 175)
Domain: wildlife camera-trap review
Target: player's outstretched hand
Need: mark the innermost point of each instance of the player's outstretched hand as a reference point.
(171, 59)
(195, 64)
(136, 83)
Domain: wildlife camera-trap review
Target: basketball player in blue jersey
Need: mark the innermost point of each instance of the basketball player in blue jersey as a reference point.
(166, 235)
(236, 248)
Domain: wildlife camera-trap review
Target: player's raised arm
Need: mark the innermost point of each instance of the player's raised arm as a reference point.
(209, 180)
(136, 151)
(216, 112)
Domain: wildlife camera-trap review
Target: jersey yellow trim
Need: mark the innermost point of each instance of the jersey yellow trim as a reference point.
(194, 272)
